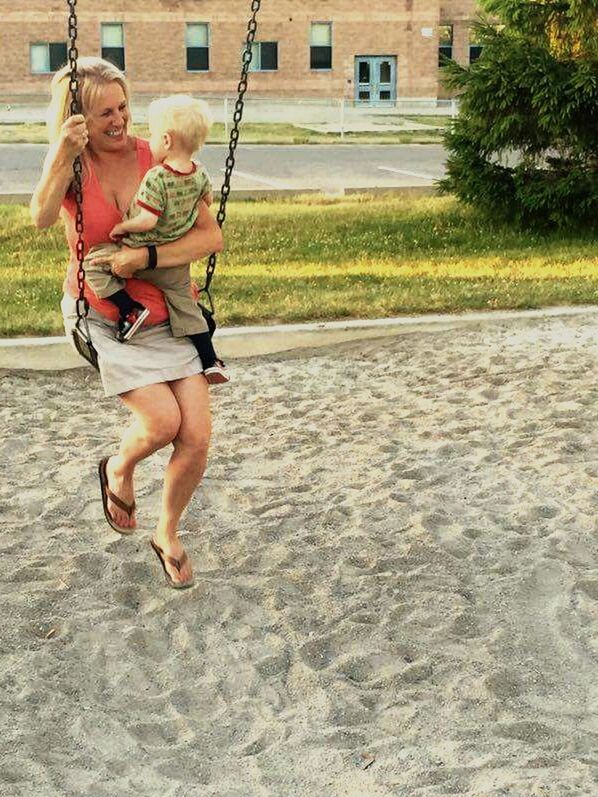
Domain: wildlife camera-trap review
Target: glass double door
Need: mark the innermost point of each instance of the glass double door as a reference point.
(375, 79)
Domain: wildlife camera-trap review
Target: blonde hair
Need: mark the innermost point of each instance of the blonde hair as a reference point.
(186, 118)
(93, 74)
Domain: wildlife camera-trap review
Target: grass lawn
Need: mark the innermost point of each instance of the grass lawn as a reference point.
(31, 133)
(314, 258)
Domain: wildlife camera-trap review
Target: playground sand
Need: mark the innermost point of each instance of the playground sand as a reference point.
(395, 553)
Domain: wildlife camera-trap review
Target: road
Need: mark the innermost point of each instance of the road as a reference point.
(301, 167)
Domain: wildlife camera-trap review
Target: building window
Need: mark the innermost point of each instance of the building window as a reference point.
(445, 43)
(475, 49)
(264, 57)
(198, 47)
(113, 44)
(320, 51)
(47, 57)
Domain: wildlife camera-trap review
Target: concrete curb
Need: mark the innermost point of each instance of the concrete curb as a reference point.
(57, 354)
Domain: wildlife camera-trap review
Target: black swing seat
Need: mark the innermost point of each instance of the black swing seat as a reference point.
(85, 347)
(83, 344)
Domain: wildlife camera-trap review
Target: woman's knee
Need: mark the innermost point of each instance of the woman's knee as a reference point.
(194, 404)
(157, 412)
(162, 429)
(194, 439)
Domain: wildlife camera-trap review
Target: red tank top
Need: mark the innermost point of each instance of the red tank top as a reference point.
(99, 217)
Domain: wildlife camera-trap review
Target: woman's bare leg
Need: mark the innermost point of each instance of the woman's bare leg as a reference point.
(156, 422)
(186, 467)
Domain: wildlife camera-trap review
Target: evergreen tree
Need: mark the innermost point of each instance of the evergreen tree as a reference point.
(525, 143)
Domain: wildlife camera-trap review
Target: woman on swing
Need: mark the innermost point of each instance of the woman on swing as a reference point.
(157, 376)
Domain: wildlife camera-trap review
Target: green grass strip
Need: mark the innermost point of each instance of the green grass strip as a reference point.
(253, 133)
(314, 258)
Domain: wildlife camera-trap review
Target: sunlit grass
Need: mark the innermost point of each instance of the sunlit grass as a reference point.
(315, 258)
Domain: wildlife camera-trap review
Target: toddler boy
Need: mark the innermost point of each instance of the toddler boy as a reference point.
(163, 210)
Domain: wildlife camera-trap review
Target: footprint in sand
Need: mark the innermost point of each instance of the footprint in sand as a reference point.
(94, 566)
(127, 597)
(264, 741)
(472, 533)
(490, 394)
(345, 739)
(589, 586)
(152, 734)
(137, 572)
(277, 664)
(39, 571)
(317, 653)
(503, 684)
(518, 545)
(358, 669)
(465, 625)
(411, 474)
(524, 731)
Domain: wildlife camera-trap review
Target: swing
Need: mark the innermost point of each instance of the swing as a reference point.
(81, 335)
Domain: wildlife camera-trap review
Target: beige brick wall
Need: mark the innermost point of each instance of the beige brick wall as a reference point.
(457, 13)
(155, 42)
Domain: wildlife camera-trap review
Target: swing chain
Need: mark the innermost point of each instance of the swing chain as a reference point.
(234, 138)
(73, 54)
(81, 336)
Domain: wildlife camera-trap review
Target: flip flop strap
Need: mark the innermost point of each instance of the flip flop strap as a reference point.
(128, 508)
(178, 563)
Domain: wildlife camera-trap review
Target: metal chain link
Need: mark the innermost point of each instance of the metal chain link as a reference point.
(234, 138)
(73, 54)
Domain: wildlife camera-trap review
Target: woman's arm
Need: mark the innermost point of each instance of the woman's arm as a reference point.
(201, 240)
(57, 173)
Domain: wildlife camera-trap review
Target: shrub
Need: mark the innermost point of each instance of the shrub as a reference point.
(525, 144)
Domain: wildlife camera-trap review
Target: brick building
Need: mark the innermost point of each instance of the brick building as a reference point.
(370, 52)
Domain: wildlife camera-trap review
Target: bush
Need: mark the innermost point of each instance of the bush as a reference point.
(525, 144)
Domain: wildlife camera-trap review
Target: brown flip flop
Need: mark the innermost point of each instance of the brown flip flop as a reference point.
(108, 494)
(178, 563)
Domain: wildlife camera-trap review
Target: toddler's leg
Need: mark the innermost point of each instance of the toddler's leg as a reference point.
(99, 277)
(132, 315)
(124, 302)
(105, 285)
(214, 369)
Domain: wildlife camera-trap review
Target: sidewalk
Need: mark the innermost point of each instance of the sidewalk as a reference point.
(328, 115)
(57, 354)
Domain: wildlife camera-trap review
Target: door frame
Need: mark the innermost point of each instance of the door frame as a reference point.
(374, 86)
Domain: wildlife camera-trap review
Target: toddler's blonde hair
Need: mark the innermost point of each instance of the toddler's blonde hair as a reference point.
(186, 118)
(93, 74)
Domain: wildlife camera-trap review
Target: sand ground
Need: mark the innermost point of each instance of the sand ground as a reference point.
(395, 551)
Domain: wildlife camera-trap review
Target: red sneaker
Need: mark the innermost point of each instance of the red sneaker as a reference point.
(129, 325)
(216, 374)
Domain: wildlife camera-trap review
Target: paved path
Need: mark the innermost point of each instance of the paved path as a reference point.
(323, 167)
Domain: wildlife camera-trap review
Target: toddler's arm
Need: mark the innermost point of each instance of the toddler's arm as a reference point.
(208, 198)
(144, 221)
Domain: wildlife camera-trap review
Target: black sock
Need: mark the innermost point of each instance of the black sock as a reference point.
(203, 344)
(124, 302)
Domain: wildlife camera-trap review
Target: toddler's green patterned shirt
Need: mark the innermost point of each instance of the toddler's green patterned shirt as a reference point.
(173, 197)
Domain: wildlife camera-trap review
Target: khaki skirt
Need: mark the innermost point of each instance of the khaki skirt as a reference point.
(152, 356)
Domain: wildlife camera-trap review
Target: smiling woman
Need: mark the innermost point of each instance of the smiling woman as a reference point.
(159, 378)
(110, 117)
(99, 75)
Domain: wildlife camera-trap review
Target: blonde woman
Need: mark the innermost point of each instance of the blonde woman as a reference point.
(157, 376)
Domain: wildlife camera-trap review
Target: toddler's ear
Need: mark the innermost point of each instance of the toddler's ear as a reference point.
(167, 140)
